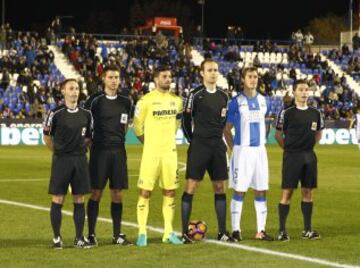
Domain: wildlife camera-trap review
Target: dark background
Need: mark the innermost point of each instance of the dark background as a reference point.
(274, 19)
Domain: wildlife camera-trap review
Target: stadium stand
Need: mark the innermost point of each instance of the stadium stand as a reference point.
(29, 76)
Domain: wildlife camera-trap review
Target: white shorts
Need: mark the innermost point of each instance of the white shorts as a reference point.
(249, 169)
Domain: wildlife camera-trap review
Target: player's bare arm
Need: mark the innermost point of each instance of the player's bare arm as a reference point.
(49, 142)
(279, 138)
(228, 135)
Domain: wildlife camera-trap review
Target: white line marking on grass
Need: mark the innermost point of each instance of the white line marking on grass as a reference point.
(219, 243)
(283, 254)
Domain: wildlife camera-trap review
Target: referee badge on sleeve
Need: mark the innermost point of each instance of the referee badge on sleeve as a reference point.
(223, 112)
(314, 126)
(124, 119)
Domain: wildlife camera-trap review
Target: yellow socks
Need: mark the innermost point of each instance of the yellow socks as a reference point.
(168, 210)
(142, 214)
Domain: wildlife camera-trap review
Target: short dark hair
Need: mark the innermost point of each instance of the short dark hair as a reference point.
(299, 82)
(63, 83)
(248, 69)
(202, 65)
(111, 67)
(161, 68)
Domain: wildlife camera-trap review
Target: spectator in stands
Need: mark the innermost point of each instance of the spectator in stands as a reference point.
(198, 37)
(330, 112)
(308, 41)
(292, 74)
(268, 46)
(7, 113)
(24, 78)
(356, 41)
(338, 90)
(2, 37)
(239, 35)
(9, 35)
(124, 31)
(161, 40)
(298, 38)
(50, 36)
(30, 55)
(313, 86)
(56, 26)
(258, 47)
(5, 79)
(287, 100)
(256, 61)
(345, 49)
(230, 35)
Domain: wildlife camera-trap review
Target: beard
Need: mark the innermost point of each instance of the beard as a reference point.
(165, 87)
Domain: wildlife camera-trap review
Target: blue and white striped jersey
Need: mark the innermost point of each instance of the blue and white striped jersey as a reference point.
(247, 115)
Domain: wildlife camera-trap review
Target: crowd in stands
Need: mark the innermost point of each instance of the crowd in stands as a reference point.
(136, 57)
(29, 78)
(280, 66)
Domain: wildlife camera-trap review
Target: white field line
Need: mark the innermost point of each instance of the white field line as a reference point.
(219, 243)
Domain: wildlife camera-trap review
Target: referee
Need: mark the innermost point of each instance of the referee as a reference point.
(67, 132)
(203, 123)
(298, 129)
(108, 161)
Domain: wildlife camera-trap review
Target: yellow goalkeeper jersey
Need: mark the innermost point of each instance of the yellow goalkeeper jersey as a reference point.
(156, 116)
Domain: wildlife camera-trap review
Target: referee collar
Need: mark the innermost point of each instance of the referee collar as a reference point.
(111, 97)
(72, 110)
(211, 91)
(302, 108)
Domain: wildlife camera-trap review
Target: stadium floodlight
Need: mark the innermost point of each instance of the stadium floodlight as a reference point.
(3, 13)
(351, 17)
(202, 3)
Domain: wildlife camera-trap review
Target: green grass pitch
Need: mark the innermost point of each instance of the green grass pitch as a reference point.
(25, 233)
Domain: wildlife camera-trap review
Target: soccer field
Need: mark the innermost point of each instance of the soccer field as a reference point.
(25, 231)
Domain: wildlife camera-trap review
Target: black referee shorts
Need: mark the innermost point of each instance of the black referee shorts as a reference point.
(69, 170)
(108, 164)
(207, 155)
(300, 166)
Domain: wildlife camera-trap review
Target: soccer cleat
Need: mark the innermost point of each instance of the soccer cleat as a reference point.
(81, 242)
(186, 239)
(283, 236)
(141, 240)
(121, 240)
(57, 243)
(173, 239)
(92, 240)
(263, 236)
(225, 237)
(310, 235)
(236, 236)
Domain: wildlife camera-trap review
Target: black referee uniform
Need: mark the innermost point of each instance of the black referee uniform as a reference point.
(203, 124)
(299, 159)
(108, 155)
(69, 128)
